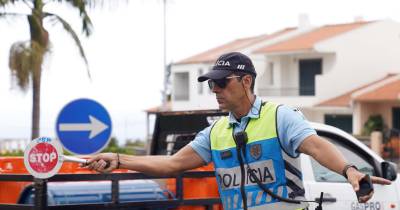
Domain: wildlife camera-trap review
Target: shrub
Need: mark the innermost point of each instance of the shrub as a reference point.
(374, 123)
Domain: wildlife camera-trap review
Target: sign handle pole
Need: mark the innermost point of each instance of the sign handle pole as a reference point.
(74, 159)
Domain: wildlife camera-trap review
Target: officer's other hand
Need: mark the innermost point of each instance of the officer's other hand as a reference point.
(99, 162)
(355, 176)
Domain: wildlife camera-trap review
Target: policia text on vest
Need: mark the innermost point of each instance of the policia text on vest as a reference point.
(231, 178)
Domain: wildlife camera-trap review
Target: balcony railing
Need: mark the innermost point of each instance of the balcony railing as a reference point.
(287, 91)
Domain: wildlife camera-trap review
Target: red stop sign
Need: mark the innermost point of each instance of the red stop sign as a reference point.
(43, 157)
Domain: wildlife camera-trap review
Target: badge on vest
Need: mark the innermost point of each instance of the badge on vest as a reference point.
(255, 151)
(226, 154)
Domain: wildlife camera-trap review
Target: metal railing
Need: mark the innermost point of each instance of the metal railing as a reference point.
(41, 202)
(287, 91)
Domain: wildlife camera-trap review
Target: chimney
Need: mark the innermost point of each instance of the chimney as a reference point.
(304, 22)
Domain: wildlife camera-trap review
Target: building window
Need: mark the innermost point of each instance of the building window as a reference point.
(209, 90)
(181, 86)
(342, 121)
(396, 118)
(200, 85)
(270, 73)
(309, 69)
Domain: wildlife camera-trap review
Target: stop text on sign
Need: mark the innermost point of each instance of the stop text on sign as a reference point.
(43, 157)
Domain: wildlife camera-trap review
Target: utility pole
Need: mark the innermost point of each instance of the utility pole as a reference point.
(166, 73)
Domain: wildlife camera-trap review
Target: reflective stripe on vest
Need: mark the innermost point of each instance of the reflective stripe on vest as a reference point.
(275, 169)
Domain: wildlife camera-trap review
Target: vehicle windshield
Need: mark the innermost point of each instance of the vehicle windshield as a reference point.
(322, 174)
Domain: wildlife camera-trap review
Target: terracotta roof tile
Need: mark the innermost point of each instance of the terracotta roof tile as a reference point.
(388, 92)
(211, 55)
(307, 40)
(160, 108)
(345, 99)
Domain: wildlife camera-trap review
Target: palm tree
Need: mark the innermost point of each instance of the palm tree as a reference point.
(26, 57)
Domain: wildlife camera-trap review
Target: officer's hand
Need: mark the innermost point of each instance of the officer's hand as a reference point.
(355, 176)
(99, 162)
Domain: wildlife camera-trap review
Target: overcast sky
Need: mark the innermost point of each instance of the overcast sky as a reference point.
(125, 52)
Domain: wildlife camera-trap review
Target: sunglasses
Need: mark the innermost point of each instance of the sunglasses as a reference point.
(221, 83)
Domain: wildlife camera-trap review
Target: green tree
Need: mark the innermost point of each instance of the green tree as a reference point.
(135, 143)
(26, 57)
(374, 123)
(112, 146)
(128, 148)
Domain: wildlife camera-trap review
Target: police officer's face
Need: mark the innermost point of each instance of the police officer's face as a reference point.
(231, 95)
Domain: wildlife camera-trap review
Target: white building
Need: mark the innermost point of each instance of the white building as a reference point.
(12, 145)
(301, 67)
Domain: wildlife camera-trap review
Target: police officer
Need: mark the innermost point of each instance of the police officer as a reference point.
(254, 149)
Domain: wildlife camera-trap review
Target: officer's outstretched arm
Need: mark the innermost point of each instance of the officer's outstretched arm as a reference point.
(329, 156)
(324, 152)
(156, 165)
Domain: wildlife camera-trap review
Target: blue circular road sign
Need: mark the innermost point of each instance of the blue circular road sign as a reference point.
(83, 127)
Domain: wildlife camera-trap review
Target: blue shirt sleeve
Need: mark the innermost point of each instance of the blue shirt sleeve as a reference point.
(201, 144)
(293, 128)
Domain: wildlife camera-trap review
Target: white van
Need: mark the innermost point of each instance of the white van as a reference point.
(338, 193)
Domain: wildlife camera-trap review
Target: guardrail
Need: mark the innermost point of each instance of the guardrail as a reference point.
(40, 186)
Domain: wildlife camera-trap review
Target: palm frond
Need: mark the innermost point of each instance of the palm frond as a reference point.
(90, 4)
(81, 5)
(4, 3)
(25, 60)
(6, 15)
(74, 36)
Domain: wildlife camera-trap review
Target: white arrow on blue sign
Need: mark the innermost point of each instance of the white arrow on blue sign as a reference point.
(84, 127)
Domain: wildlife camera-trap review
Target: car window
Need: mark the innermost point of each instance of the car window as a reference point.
(322, 174)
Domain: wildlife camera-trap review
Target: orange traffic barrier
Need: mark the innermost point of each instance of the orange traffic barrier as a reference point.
(10, 191)
(195, 188)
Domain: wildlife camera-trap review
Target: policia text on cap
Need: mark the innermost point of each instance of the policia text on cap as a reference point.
(275, 135)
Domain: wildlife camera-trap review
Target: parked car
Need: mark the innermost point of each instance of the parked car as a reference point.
(62, 193)
(338, 193)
